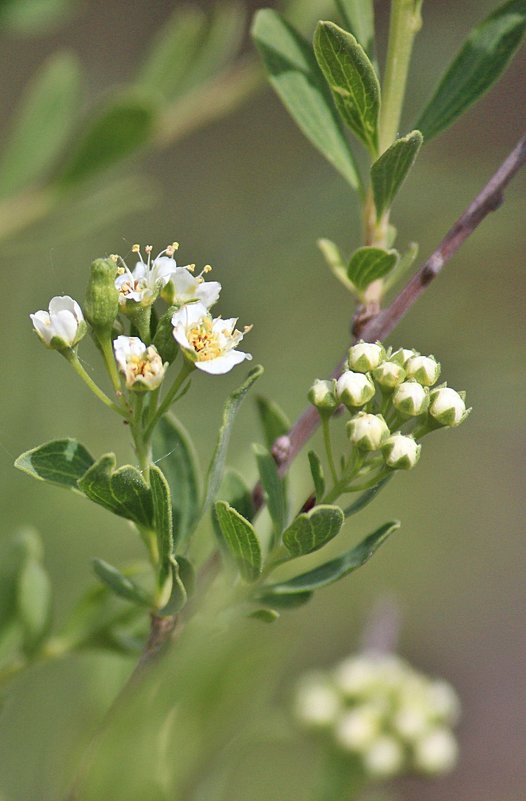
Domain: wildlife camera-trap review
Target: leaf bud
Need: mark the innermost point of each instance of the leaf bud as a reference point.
(164, 339)
(102, 296)
(365, 356)
(411, 398)
(424, 369)
(367, 431)
(401, 452)
(322, 395)
(447, 407)
(389, 375)
(354, 389)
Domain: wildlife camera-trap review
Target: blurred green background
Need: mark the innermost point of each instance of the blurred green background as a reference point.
(248, 194)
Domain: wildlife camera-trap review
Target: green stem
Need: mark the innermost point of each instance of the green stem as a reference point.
(73, 359)
(142, 447)
(327, 441)
(169, 398)
(106, 348)
(341, 778)
(404, 24)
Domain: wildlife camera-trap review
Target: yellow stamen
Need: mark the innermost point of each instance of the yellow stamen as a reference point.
(136, 248)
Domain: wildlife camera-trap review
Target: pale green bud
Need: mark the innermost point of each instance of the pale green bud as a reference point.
(365, 356)
(411, 398)
(447, 407)
(164, 339)
(389, 375)
(384, 758)
(436, 752)
(322, 395)
(358, 728)
(402, 356)
(401, 452)
(317, 702)
(367, 431)
(102, 297)
(424, 369)
(354, 389)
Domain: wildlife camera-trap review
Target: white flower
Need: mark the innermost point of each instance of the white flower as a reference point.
(384, 758)
(355, 389)
(367, 431)
(358, 728)
(182, 287)
(317, 702)
(208, 342)
(365, 356)
(322, 395)
(411, 398)
(424, 369)
(436, 752)
(447, 407)
(62, 326)
(401, 452)
(142, 366)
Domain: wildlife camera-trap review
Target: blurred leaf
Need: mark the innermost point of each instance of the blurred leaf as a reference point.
(358, 16)
(312, 530)
(186, 574)
(241, 540)
(162, 522)
(173, 450)
(121, 585)
(389, 172)
(287, 601)
(233, 402)
(61, 462)
(34, 16)
(294, 74)
(367, 264)
(226, 27)
(366, 497)
(178, 595)
(273, 486)
(34, 598)
(123, 491)
(334, 259)
(125, 124)
(318, 477)
(352, 79)
(43, 123)
(265, 615)
(337, 568)
(274, 421)
(405, 263)
(480, 62)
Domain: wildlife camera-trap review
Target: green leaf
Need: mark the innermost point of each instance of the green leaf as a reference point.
(174, 452)
(288, 601)
(334, 259)
(273, 487)
(337, 568)
(224, 35)
(358, 16)
(295, 76)
(29, 17)
(61, 462)
(480, 62)
(367, 264)
(404, 264)
(389, 172)
(318, 477)
(312, 530)
(241, 540)
(265, 615)
(43, 123)
(274, 421)
(217, 464)
(366, 497)
(178, 595)
(121, 585)
(123, 492)
(162, 521)
(234, 490)
(352, 80)
(34, 603)
(122, 126)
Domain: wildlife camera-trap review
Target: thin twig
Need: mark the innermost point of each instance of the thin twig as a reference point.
(378, 326)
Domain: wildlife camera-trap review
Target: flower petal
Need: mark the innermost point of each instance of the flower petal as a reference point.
(223, 364)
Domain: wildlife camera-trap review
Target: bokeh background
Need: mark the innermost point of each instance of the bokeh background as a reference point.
(248, 194)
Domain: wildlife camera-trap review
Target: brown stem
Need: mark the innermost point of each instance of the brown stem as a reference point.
(377, 327)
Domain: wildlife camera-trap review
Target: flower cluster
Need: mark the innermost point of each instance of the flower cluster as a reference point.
(393, 403)
(382, 712)
(207, 343)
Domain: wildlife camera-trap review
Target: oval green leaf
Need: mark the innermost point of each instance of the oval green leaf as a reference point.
(358, 16)
(241, 541)
(61, 461)
(120, 585)
(367, 264)
(390, 171)
(310, 531)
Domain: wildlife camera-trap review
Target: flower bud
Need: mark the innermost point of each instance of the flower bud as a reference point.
(401, 452)
(402, 356)
(447, 407)
(164, 340)
(322, 395)
(389, 375)
(411, 398)
(367, 431)
(365, 356)
(102, 297)
(424, 369)
(384, 758)
(358, 728)
(317, 703)
(142, 366)
(63, 326)
(436, 752)
(354, 389)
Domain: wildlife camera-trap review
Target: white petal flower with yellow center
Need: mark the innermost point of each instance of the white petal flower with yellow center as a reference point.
(62, 326)
(182, 287)
(141, 366)
(209, 342)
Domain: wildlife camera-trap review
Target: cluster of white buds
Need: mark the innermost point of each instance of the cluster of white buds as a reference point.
(382, 712)
(392, 400)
